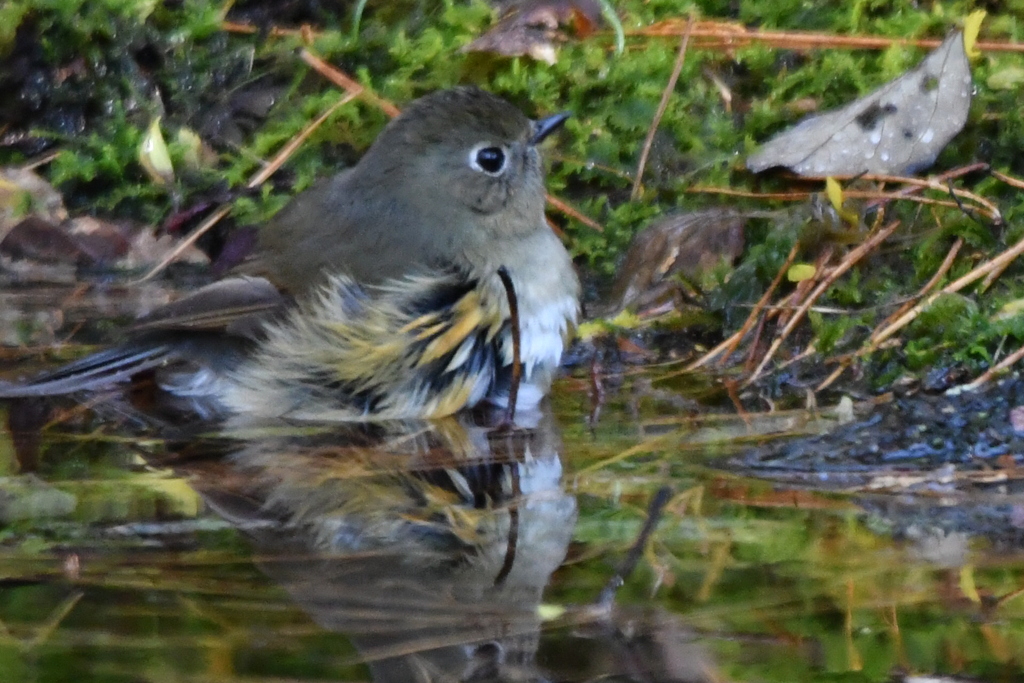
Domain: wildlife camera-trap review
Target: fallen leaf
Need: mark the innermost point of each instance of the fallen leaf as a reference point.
(798, 272)
(197, 153)
(898, 129)
(972, 26)
(38, 250)
(37, 239)
(23, 193)
(154, 157)
(103, 241)
(532, 28)
(687, 243)
(834, 192)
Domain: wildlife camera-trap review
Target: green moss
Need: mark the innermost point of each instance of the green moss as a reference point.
(129, 61)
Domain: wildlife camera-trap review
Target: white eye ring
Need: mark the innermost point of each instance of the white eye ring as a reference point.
(488, 158)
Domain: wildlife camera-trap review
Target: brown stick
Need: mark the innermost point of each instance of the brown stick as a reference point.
(662, 106)
(804, 289)
(933, 282)
(986, 207)
(851, 259)
(636, 551)
(347, 83)
(257, 179)
(998, 262)
(730, 344)
(726, 34)
(986, 376)
(1009, 180)
(765, 298)
(572, 212)
(517, 363)
(513, 525)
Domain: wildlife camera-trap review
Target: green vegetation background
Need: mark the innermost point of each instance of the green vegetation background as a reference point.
(125, 62)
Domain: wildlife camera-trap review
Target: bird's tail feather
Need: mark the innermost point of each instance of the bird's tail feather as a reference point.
(96, 371)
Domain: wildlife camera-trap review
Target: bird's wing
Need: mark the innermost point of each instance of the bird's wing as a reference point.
(236, 305)
(333, 228)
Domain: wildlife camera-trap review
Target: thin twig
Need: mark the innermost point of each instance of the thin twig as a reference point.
(1009, 180)
(347, 83)
(933, 282)
(987, 376)
(629, 563)
(33, 164)
(662, 106)
(930, 181)
(728, 34)
(851, 259)
(275, 31)
(572, 212)
(513, 525)
(991, 277)
(953, 287)
(798, 298)
(729, 345)
(517, 363)
(748, 362)
(986, 207)
(765, 298)
(257, 179)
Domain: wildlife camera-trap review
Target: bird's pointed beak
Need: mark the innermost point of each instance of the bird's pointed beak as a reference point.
(548, 125)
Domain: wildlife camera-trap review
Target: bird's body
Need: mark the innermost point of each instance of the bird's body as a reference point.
(393, 267)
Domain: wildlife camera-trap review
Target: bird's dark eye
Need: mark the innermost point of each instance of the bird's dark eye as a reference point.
(489, 160)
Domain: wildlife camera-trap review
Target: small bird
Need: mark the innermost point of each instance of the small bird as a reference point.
(377, 293)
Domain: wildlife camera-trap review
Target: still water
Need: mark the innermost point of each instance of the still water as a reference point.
(136, 545)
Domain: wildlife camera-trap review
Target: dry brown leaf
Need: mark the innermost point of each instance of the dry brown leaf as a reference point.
(533, 28)
(40, 250)
(23, 193)
(687, 244)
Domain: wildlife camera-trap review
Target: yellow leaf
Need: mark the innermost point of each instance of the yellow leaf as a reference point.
(590, 329)
(1009, 310)
(154, 157)
(548, 612)
(967, 585)
(623, 321)
(197, 154)
(972, 25)
(834, 192)
(798, 272)
(626, 320)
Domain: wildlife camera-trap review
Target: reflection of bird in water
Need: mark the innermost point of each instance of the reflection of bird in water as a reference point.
(428, 545)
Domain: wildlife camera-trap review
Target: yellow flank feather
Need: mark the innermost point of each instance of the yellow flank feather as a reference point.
(468, 315)
(427, 321)
(460, 356)
(378, 354)
(430, 331)
(454, 398)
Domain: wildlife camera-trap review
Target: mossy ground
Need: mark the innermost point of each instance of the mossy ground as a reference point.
(89, 77)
